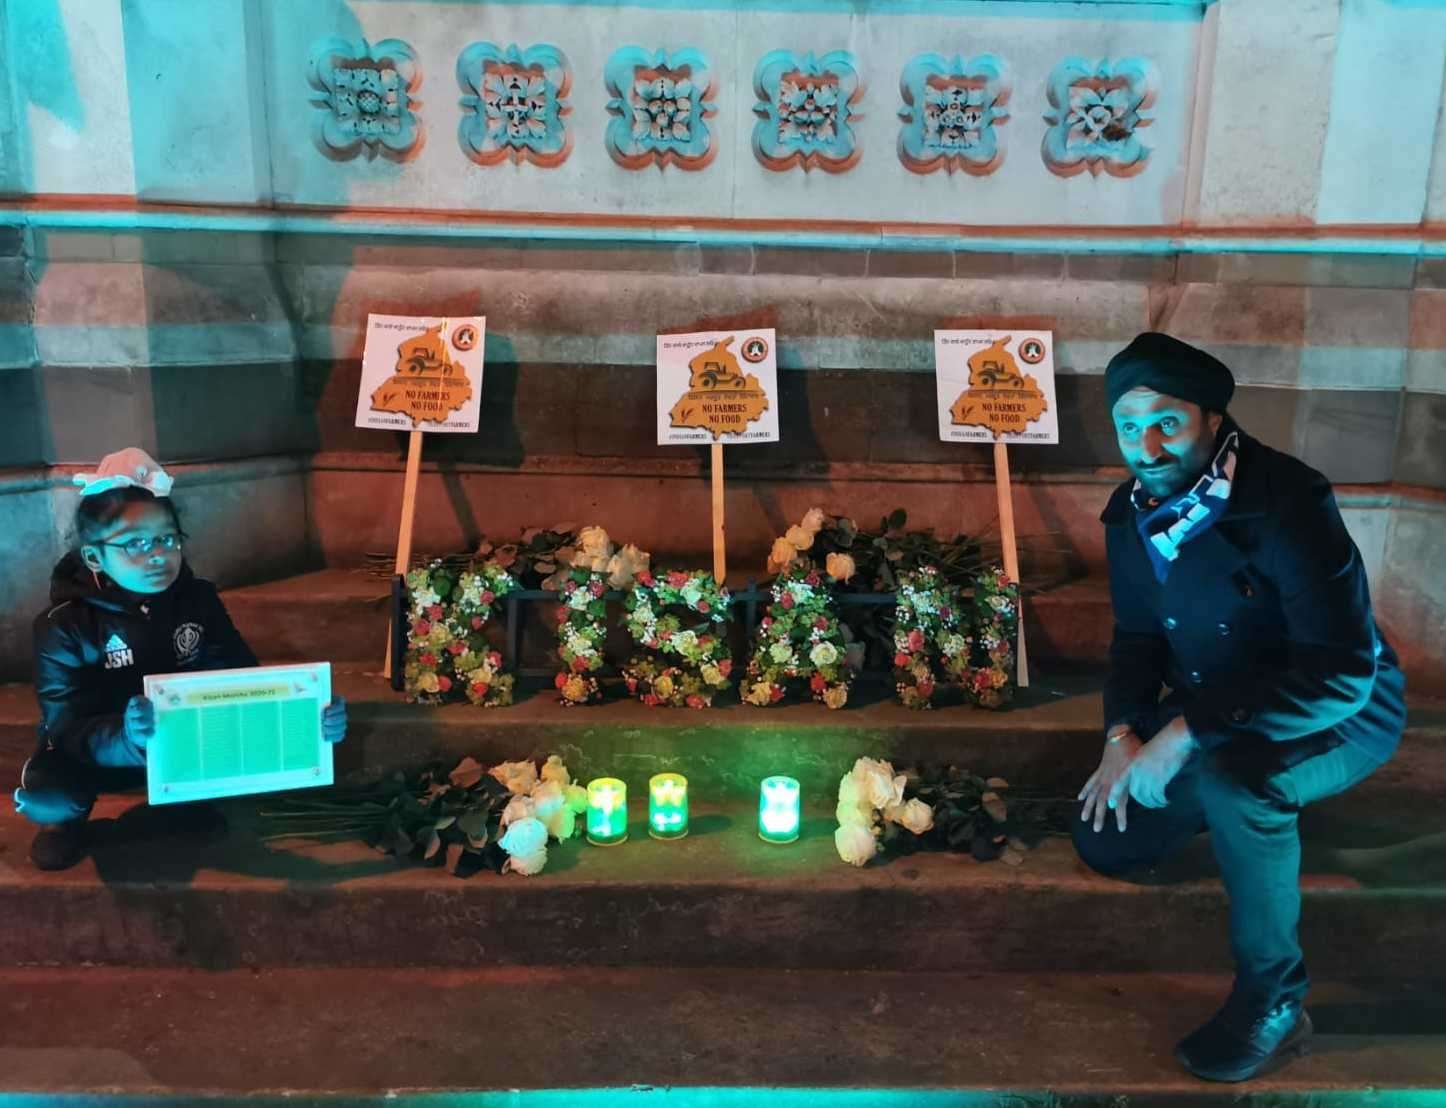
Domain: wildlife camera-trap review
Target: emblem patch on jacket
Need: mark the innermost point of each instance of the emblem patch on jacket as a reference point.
(187, 641)
(118, 654)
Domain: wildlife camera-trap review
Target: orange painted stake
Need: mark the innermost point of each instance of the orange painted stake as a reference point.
(1011, 552)
(720, 550)
(404, 535)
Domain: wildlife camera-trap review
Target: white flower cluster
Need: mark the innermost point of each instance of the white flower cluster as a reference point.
(867, 792)
(543, 806)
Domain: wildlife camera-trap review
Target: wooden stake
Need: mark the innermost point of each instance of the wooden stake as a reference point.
(720, 550)
(1011, 552)
(404, 534)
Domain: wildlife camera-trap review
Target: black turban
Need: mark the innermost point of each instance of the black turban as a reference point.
(1169, 366)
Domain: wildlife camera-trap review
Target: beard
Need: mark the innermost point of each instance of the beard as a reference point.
(1175, 473)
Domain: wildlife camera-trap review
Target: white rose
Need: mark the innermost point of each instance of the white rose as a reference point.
(555, 771)
(526, 836)
(840, 566)
(855, 845)
(781, 653)
(519, 777)
(917, 816)
(823, 654)
(799, 538)
(600, 563)
(519, 807)
(547, 798)
(849, 791)
(626, 564)
(594, 541)
(854, 814)
(526, 864)
(576, 799)
(813, 521)
(878, 782)
(562, 823)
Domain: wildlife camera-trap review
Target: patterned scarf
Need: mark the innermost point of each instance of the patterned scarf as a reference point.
(1166, 526)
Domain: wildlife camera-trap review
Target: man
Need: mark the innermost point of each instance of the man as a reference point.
(1236, 587)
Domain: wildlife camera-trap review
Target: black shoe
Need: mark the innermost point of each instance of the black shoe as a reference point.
(61, 845)
(1236, 1046)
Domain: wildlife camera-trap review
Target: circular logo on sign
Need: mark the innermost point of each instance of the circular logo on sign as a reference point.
(755, 350)
(187, 641)
(465, 337)
(1032, 351)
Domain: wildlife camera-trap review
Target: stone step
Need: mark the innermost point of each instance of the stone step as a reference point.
(1374, 879)
(736, 1038)
(341, 615)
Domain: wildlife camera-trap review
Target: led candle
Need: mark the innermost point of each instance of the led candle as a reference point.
(607, 811)
(668, 806)
(778, 810)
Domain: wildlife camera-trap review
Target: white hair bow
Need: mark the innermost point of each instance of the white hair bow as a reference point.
(131, 467)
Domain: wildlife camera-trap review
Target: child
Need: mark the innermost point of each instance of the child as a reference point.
(126, 604)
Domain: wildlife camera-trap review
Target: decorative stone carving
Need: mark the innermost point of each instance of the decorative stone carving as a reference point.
(1097, 109)
(952, 112)
(514, 104)
(661, 107)
(366, 98)
(807, 106)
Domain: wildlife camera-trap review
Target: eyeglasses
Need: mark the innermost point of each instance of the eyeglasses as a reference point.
(144, 544)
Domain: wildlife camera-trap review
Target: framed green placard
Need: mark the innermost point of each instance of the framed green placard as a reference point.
(233, 732)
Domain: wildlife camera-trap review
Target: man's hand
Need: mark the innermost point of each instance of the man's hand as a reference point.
(139, 721)
(1155, 766)
(1114, 764)
(333, 720)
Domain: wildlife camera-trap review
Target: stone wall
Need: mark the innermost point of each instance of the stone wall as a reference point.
(192, 245)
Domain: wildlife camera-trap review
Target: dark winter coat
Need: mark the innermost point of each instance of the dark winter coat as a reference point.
(96, 643)
(1263, 628)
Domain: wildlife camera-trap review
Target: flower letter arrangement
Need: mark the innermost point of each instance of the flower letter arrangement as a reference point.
(680, 622)
(448, 656)
(799, 638)
(927, 634)
(582, 580)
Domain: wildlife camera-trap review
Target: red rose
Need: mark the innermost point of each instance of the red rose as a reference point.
(767, 621)
(787, 600)
(926, 688)
(560, 680)
(821, 623)
(579, 665)
(428, 659)
(651, 700)
(476, 623)
(901, 660)
(812, 578)
(495, 658)
(562, 615)
(696, 701)
(421, 628)
(817, 683)
(455, 649)
(916, 640)
(725, 667)
(776, 694)
(703, 607)
(646, 579)
(444, 683)
(481, 688)
(488, 596)
(435, 611)
(632, 685)
(705, 640)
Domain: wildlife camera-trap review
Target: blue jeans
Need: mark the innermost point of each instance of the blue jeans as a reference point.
(55, 788)
(1249, 800)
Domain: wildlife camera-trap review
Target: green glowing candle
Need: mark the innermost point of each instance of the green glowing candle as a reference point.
(668, 806)
(607, 811)
(778, 810)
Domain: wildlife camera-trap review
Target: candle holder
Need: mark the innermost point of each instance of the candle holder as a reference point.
(668, 806)
(607, 812)
(778, 810)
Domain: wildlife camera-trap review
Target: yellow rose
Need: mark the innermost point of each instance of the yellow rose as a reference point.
(840, 567)
(799, 538)
(813, 521)
(760, 694)
(663, 686)
(837, 696)
(595, 542)
(781, 556)
(574, 689)
(712, 674)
